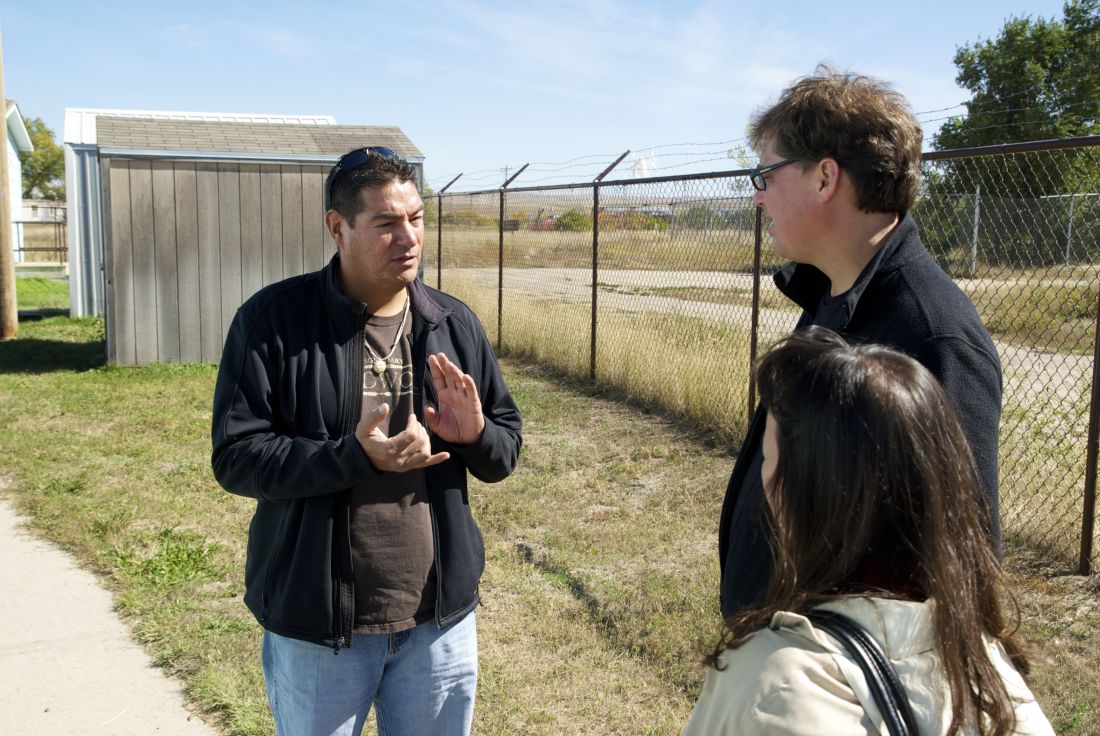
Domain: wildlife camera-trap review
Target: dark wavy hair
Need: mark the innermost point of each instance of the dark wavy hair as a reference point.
(376, 172)
(874, 473)
(861, 122)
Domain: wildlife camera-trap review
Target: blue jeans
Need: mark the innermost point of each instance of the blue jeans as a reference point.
(420, 681)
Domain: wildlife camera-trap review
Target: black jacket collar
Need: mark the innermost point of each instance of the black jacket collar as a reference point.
(350, 313)
(805, 284)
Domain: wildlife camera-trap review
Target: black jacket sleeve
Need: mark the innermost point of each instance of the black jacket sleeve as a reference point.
(494, 455)
(250, 457)
(971, 378)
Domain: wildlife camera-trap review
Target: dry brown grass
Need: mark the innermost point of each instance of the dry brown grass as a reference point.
(601, 578)
(688, 367)
(684, 249)
(1042, 471)
(1061, 615)
(564, 649)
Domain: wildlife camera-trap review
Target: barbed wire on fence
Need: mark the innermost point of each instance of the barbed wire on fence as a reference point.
(597, 162)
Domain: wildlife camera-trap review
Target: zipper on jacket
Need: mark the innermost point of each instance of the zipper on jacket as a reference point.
(420, 359)
(343, 594)
(346, 590)
(336, 615)
(436, 563)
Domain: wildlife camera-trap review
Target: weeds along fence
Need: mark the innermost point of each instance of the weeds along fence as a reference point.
(658, 289)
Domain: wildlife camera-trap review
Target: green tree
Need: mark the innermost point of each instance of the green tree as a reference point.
(1036, 80)
(573, 221)
(44, 167)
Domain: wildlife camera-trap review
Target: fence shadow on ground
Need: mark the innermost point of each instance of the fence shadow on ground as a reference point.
(35, 355)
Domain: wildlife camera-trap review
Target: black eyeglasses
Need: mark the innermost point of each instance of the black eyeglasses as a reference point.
(353, 160)
(756, 176)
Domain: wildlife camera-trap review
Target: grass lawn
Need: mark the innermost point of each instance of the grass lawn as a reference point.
(41, 293)
(601, 571)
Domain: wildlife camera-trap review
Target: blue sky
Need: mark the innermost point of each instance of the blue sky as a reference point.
(481, 85)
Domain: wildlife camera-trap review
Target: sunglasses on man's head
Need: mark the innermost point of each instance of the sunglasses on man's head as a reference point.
(355, 159)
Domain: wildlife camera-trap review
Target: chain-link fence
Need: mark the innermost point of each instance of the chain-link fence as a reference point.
(659, 290)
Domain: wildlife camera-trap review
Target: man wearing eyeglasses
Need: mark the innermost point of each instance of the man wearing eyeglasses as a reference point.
(350, 403)
(838, 175)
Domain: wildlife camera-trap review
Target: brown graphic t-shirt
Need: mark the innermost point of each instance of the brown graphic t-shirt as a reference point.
(391, 528)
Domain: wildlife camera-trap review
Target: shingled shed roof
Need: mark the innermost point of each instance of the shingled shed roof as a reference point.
(117, 134)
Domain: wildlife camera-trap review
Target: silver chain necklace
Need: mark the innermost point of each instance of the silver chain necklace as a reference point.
(378, 365)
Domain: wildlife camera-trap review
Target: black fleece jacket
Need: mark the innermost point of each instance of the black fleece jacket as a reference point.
(902, 299)
(287, 400)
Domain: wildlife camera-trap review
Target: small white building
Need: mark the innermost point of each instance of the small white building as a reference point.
(43, 211)
(19, 140)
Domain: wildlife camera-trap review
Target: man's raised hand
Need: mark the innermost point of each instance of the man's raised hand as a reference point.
(459, 418)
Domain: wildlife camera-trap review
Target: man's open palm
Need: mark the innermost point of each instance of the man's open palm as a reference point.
(458, 417)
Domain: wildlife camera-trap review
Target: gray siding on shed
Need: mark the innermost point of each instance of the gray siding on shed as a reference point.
(187, 242)
(244, 142)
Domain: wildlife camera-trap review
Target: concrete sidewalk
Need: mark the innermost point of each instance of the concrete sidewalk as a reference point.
(67, 664)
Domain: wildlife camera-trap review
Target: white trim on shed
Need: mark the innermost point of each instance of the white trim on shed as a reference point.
(17, 139)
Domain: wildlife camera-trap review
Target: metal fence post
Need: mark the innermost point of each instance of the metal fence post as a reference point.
(439, 241)
(974, 239)
(500, 260)
(595, 274)
(1069, 230)
(439, 236)
(1088, 510)
(758, 242)
(500, 274)
(596, 255)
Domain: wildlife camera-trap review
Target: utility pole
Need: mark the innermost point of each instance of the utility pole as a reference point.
(9, 310)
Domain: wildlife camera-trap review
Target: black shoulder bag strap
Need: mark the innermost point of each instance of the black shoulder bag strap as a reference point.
(885, 687)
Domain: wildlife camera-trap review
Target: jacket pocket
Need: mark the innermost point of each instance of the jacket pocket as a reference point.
(298, 593)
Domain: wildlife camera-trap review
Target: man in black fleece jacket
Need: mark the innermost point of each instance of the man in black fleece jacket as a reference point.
(838, 174)
(351, 403)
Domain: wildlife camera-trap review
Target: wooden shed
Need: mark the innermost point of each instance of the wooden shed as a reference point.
(198, 215)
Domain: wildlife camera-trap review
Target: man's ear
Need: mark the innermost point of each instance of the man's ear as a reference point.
(828, 179)
(334, 225)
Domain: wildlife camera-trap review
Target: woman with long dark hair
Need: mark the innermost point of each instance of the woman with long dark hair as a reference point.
(875, 512)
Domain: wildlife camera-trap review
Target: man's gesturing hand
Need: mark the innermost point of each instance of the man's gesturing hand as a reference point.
(458, 418)
(407, 450)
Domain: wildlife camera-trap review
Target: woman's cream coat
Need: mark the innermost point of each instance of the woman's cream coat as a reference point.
(794, 679)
